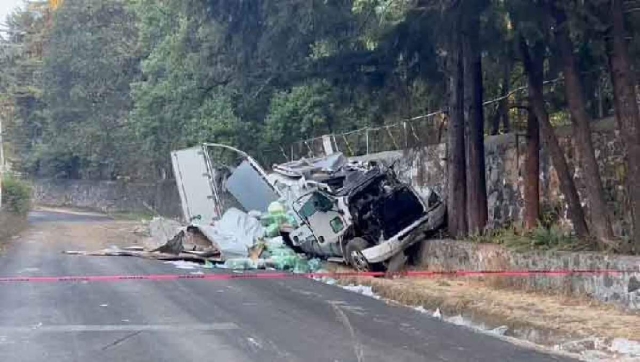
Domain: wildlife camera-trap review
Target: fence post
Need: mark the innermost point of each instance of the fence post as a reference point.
(406, 137)
(351, 153)
(366, 136)
(284, 154)
(311, 153)
(393, 139)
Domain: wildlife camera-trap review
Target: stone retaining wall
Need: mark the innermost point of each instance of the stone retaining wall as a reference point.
(109, 196)
(622, 289)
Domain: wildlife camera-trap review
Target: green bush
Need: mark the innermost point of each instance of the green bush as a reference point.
(540, 238)
(16, 196)
(552, 238)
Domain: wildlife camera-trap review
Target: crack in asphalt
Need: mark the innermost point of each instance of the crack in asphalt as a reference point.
(120, 340)
(357, 347)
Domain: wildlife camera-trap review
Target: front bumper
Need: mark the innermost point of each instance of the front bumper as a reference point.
(385, 250)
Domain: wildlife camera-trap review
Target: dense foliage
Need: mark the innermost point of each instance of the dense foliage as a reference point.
(117, 78)
(16, 196)
(96, 82)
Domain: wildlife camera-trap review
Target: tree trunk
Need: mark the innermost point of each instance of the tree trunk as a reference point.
(600, 222)
(600, 100)
(495, 121)
(532, 173)
(456, 176)
(534, 70)
(504, 103)
(502, 113)
(474, 116)
(627, 114)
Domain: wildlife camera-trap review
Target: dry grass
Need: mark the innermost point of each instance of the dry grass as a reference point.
(553, 318)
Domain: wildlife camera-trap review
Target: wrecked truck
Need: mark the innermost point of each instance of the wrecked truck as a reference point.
(358, 212)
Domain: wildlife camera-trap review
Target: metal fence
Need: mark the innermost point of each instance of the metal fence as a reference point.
(415, 132)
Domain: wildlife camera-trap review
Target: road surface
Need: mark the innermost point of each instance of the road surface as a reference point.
(196, 320)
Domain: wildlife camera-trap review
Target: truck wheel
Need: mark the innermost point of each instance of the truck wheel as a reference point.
(354, 254)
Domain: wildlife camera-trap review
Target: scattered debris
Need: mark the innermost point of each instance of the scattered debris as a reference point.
(254, 342)
(501, 330)
(173, 246)
(181, 264)
(361, 289)
(625, 346)
(233, 234)
(160, 230)
(436, 314)
(241, 218)
(114, 251)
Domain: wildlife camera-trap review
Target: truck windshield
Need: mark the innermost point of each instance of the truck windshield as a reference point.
(317, 202)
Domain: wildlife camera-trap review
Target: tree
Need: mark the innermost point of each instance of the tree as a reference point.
(502, 113)
(534, 68)
(627, 114)
(473, 99)
(600, 223)
(532, 171)
(21, 83)
(89, 63)
(183, 97)
(456, 158)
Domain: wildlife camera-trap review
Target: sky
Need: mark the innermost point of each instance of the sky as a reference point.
(6, 7)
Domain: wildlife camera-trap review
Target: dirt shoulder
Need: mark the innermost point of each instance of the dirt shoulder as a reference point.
(562, 322)
(91, 236)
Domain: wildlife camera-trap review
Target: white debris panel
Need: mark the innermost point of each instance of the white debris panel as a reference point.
(234, 233)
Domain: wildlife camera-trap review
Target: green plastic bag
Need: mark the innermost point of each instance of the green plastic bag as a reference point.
(315, 264)
(301, 266)
(242, 264)
(272, 230)
(282, 262)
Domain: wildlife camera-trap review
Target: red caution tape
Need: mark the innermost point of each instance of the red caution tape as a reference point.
(285, 275)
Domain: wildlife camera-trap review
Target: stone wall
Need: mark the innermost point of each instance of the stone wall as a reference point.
(622, 289)
(505, 156)
(109, 196)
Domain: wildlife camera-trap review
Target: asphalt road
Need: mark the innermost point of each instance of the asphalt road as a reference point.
(195, 320)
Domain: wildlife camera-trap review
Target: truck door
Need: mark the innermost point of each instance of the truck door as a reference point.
(322, 216)
(199, 202)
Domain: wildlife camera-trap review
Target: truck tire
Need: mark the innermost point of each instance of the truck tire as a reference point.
(354, 254)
